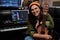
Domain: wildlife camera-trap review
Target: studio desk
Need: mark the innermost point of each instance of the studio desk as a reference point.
(13, 33)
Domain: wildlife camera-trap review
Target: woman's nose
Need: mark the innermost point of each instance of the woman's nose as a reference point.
(34, 11)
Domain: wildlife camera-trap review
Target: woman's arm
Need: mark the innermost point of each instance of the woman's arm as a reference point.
(42, 36)
(30, 29)
(49, 22)
(37, 35)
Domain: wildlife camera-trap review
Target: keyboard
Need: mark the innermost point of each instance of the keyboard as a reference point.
(15, 28)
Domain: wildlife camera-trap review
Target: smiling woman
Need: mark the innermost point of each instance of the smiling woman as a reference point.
(36, 22)
(35, 10)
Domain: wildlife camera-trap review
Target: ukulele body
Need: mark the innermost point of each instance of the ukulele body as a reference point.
(45, 32)
(40, 31)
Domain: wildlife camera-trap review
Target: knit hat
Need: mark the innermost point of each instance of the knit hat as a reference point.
(35, 3)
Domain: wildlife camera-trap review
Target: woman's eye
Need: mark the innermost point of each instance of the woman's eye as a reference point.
(35, 8)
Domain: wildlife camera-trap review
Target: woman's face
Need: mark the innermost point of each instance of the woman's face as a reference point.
(35, 10)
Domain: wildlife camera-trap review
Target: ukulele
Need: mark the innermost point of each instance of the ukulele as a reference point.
(42, 29)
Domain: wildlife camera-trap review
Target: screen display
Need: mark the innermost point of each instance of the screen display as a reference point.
(10, 3)
(20, 16)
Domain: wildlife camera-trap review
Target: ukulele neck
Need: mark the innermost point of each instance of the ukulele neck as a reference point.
(43, 22)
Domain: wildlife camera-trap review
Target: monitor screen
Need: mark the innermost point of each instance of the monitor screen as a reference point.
(20, 16)
(10, 3)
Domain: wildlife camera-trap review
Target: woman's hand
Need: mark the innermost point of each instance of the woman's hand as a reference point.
(43, 36)
(48, 36)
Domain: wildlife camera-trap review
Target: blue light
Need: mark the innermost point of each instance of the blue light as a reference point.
(20, 16)
(12, 3)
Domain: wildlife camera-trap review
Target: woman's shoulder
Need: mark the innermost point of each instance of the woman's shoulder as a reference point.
(47, 14)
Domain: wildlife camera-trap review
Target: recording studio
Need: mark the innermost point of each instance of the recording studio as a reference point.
(14, 18)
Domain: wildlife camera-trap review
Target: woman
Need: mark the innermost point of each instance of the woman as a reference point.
(35, 19)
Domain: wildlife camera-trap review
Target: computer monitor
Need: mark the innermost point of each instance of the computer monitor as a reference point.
(10, 3)
(10, 19)
(19, 16)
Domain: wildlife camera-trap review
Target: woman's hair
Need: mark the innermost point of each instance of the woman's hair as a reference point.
(33, 18)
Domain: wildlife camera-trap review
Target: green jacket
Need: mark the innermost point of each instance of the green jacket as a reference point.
(49, 24)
